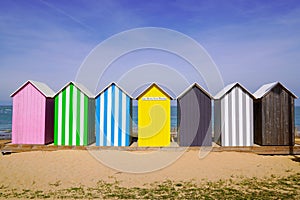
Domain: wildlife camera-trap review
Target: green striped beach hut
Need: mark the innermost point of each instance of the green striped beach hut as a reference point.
(74, 118)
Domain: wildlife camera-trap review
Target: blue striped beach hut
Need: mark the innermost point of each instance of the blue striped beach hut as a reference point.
(113, 117)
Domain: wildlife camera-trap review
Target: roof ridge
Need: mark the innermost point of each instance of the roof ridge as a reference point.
(42, 87)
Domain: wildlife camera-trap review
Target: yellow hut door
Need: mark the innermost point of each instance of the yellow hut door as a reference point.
(154, 117)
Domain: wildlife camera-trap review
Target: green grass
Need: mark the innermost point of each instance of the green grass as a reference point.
(239, 188)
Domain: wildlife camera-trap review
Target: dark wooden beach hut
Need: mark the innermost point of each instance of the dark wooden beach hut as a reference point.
(274, 115)
(194, 117)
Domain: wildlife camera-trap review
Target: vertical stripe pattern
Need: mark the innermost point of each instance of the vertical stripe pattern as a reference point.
(113, 119)
(71, 118)
(225, 133)
(74, 130)
(236, 118)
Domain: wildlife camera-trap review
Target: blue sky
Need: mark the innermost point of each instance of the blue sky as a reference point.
(252, 42)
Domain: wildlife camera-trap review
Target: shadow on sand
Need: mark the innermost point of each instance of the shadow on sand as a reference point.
(296, 158)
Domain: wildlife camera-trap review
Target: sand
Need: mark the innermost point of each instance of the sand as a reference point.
(74, 167)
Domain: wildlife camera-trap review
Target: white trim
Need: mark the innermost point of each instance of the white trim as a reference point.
(80, 87)
(241, 113)
(248, 120)
(42, 87)
(222, 120)
(67, 120)
(226, 89)
(233, 114)
(74, 116)
(117, 86)
(157, 85)
(226, 122)
(123, 143)
(116, 117)
(190, 87)
(101, 120)
(109, 101)
(265, 89)
(81, 118)
(221, 93)
(59, 123)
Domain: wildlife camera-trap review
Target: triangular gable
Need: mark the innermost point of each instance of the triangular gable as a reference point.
(228, 89)
(41, 87)
(265, 89)
(80, 87)
(191, 87)
(113, 83)
(154, 85)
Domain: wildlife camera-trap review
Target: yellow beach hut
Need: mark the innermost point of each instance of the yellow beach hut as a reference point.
(154, 117)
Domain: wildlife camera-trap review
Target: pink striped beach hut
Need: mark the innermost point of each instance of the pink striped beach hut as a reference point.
(33, 114)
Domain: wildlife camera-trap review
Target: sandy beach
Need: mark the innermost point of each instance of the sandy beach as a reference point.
(41, 169)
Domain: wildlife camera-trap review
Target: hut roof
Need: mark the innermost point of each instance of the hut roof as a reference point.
(79, 86)
(113, 83)
(152, 85)
(265, 89)
(194, 85)
(228, 89)
(42, 87)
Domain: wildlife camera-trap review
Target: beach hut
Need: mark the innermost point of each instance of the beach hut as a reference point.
(32, 120)
(194, 117)
(233, 116)
(154, 117)
(74, 121)
(113, 117)
(274, 115)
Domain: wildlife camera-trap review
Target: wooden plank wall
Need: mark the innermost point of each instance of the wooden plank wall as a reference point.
(49, 122)
(258, 121)
(91, 121)
(274, 118)
(154, 118)
(195, 119)
(28, 122)
(234, 117)
(117, 133)
(217, 122)
(72, 114)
